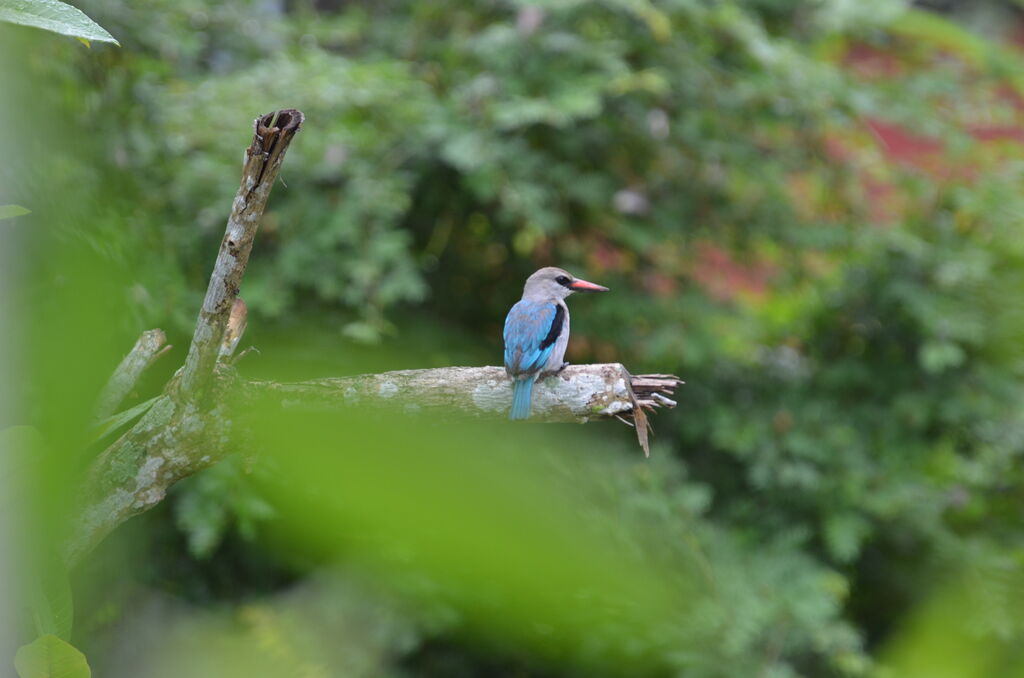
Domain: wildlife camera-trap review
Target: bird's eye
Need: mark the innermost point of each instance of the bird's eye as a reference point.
(562, 280)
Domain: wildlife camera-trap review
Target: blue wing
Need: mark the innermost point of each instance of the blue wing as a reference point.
(531, 330)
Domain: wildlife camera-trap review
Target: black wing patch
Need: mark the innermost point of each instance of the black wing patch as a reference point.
(556, 327)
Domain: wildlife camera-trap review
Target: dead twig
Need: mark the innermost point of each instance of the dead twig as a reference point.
(273, 134)
(150, 345)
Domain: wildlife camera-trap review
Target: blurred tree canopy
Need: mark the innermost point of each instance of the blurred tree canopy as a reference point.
(809, 209)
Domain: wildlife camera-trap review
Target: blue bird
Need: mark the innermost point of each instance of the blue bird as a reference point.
(537, 332)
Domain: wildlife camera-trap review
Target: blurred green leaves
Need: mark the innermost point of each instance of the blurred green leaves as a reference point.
(36, 567)
(53, 16)
(51, 657)
(213, 501)
(487, 523)
(970, 628)
(531, 542)
(414, 133)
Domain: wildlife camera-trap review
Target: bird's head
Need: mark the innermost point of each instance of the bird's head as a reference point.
(555, 283)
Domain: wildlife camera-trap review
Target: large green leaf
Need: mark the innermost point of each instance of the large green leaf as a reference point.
(50, 657)
(55, 16)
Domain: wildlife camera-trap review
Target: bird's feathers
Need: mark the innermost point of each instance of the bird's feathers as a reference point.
(531, 330)
(522, 393)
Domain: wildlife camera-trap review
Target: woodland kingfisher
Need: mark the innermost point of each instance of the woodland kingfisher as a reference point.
(537, 332)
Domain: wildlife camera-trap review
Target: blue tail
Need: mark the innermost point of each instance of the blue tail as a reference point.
(522, 390)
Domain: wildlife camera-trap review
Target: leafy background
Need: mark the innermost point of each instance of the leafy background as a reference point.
(810, 210)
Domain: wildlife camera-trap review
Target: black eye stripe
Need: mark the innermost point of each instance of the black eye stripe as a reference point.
(563, 280)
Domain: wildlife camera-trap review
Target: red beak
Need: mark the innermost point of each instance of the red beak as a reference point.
(584, 286)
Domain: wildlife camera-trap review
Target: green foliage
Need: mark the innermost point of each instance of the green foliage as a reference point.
(51, 657)
(214, 501)
(413, 144)
(53, 16)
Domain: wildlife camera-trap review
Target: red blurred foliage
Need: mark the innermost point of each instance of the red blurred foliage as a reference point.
(725, 279)
(884, 203)
(870, 62)
(1016, 36)
(1010, 95)
(660, 285)
(903, 148)
(908, 148)
(985, 133)
(607, 257)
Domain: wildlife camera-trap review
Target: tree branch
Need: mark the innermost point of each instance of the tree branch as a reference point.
(263, 158)
(148, 347)
(169, 443)
(577, 394)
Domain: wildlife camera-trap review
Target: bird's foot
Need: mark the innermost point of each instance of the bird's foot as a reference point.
(555, 372)
(561, 370)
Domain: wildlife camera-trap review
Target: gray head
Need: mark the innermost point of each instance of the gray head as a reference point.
(555, 283)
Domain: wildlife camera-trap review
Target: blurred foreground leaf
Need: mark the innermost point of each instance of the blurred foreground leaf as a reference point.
(20, 448)
(51, 657)
(53, 16)
(971, 628)
(513, 531)
(22, 452)
(52, 605)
